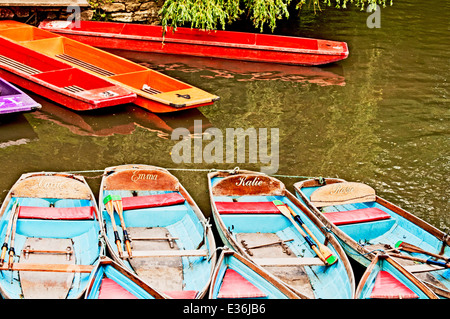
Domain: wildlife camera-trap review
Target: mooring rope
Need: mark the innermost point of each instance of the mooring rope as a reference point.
(193, 170)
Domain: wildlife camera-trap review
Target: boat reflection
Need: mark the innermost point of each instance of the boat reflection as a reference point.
(15, 130)
(241, 70)
(123, 120)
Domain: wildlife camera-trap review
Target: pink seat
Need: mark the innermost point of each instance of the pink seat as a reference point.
(388, 287)
(137, 202)
(183, 294)
(109, 289)
(247, 208)
(236, 286)
(57, 213)
(356, 216)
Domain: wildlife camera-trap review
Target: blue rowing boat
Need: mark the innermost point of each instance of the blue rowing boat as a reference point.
(13, 100)
(236, 277)
(250, 211)
(384, 278)
(154, 227)
(112, 281)
(366, 224)
(50, 226)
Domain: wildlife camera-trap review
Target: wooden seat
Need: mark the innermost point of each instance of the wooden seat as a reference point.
(168, 253)
(388, 287)
(137, 202)
(356, 216)
(289, 261)
(235, 286)
(109, 289)
(57, 213)
(247, 208)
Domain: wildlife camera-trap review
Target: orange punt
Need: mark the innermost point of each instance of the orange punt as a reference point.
(155, 91)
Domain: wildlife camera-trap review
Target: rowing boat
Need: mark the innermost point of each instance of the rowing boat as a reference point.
(155, 91)
(112, 281)
(240, 46)
(384, 278)
(364, 223)
(50, 226)
(172, 246)
(57, 81)
(235, 277)
(249, 211)
(13, 100)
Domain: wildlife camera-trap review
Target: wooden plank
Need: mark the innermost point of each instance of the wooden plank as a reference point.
(168, 253)
(288, 261)
(48, 268)
(422, 268)
(43, 3)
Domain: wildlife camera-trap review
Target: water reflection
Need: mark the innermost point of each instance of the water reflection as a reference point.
(239, 70)
(122, 120)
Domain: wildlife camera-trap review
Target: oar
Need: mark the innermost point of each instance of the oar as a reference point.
(8, 232)
(110, 209)
(283, 209)
(326, 252)
(422, 260)
(12, 252)
(117, 201)
(414, 249)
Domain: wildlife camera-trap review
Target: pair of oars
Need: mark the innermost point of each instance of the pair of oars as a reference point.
(10, 233)
(323, 252)
(114, 202)
(401, 245)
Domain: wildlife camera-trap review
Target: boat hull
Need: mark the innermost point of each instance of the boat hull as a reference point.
(155, 91)
(293, 262)
(112, 281)
(51, 222)
(362, 239)
(58, 81)
(215, 44)
(267, 286)
(13, 100)
(172, 243)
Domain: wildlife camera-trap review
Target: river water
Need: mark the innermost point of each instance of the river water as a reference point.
(380, 117)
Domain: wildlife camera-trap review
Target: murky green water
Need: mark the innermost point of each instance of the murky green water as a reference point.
(380, 117)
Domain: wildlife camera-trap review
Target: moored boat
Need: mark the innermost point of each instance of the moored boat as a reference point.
(254, 216)
(189, 41)
(112, 281)
(366, 224)
(154, 227)
(50, 229)
(236, 277)
(14, 100)
(155, 91)
(384, 278)
(58, 81)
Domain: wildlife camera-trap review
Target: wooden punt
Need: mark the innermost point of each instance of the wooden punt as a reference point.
(173, 248)
(57, 81)
(235, 277)
(112, 281)
(249, 222)
(155, 91)
(240, 46)
(50, 228)
(364, 223)
(13, 100)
